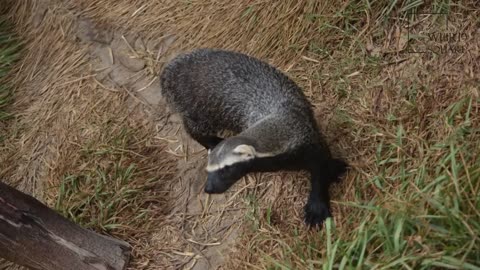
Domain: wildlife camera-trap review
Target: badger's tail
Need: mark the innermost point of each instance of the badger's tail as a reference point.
(337, 168)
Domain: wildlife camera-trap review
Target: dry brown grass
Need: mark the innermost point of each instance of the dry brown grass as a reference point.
(388, 112)
(68, 131)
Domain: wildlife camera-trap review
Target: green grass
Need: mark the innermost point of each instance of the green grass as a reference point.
(428, 215)
(99, 197)
(416, 205)
(111, 187)
(9, 53)
(424, 213)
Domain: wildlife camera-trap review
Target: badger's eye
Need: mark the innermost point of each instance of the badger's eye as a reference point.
(227, 170)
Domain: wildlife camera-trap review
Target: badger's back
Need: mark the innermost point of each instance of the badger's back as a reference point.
(229, 90)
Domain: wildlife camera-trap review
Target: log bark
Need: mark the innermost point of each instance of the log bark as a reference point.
(35, 236)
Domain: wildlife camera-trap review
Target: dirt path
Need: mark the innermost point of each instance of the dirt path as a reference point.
(207, 225)
(200, 229)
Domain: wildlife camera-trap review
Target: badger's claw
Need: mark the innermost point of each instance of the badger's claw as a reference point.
(316, 213)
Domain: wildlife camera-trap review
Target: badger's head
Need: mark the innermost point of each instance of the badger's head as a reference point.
(229, 161)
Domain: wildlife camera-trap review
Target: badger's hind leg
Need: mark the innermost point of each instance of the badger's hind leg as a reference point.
(201, 135)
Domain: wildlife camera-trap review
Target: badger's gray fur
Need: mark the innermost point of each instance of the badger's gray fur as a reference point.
(216, 90)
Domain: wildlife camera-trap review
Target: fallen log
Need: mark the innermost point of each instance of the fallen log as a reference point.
(35, 236)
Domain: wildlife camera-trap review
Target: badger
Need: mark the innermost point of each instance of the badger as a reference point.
(215, 90)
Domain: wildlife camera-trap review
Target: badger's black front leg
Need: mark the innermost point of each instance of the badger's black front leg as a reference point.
(317, 208)
(209, 142)
(199, 133)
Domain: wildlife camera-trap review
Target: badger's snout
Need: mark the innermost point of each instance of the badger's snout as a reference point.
(215, 185)
(209, 188)
(212, 188)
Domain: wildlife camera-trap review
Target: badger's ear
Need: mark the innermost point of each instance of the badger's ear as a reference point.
(245, 150)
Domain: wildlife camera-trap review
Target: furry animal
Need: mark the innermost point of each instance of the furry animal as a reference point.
(215, 90)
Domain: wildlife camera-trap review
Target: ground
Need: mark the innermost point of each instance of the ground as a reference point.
(91, 136)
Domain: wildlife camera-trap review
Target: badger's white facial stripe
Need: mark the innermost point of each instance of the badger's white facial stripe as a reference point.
(244, 149)
(232, 159)
(266, 154)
